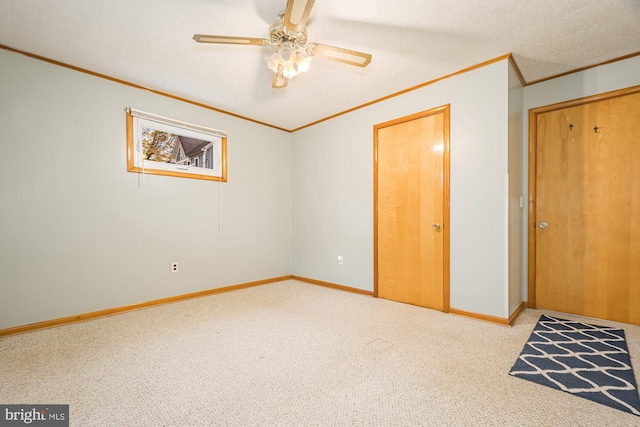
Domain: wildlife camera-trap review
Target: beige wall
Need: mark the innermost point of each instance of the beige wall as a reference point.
(76, 232)
(78, 235)
(515, 194)
(333, 189)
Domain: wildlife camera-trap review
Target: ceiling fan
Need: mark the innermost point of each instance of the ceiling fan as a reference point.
(288, 37)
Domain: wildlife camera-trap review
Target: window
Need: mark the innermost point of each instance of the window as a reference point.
(162, 146)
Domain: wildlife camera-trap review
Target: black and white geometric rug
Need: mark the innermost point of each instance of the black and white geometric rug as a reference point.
(586, 360)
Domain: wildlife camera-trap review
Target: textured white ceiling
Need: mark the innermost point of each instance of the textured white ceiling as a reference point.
(148, 42)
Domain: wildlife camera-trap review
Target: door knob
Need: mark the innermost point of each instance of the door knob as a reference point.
(543, 224)
(436, 226)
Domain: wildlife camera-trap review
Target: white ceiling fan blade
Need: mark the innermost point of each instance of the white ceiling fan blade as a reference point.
(203, 38)
(339, 54)
(296, 14)
(279, 80)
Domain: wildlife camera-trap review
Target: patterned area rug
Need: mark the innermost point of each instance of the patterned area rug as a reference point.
(586, 360)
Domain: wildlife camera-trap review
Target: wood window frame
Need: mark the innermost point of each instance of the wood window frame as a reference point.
(135, 164)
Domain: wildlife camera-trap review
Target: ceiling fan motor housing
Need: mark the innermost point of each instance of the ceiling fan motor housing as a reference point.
(279, 35)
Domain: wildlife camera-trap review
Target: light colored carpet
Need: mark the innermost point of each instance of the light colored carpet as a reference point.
(291, 354)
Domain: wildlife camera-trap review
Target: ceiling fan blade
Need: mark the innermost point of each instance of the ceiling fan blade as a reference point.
(296, 14)
(279, 80)
(339, 54)
(203, 38)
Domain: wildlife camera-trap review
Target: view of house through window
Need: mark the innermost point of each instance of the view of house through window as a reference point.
(165, 147)
(162, 146)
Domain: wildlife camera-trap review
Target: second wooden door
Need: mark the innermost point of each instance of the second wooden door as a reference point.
(587, 227)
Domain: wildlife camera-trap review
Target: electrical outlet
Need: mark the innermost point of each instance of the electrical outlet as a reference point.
(174, 267)
(340, 260)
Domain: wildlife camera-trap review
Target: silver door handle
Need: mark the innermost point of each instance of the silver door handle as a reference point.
(543, 224)
(436, 226)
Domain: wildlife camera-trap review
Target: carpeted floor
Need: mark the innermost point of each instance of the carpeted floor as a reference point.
(291, 354)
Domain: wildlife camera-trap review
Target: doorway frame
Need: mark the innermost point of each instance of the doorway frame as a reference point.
(533, 151)
(446, 110)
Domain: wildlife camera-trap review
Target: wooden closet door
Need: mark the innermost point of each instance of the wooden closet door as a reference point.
(410, 210)
(588, 210)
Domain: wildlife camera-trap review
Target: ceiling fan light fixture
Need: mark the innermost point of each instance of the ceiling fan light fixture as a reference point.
(288, 37)
(290, 59)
